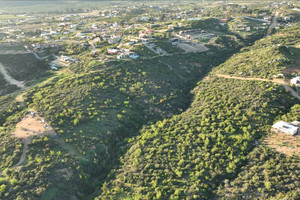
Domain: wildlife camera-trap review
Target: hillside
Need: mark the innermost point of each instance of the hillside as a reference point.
(19, 68)
(267, 174)
(189, 155)
(197, 150)
(93, 113)
(148, 101)
(267, 58)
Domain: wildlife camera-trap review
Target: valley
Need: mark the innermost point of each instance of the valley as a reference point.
(152, 100)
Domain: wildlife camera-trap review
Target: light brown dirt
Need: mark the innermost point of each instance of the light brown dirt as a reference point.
(295, 69)
(192, 47)
(251, 78)
(32, 126)
(283, 143)
(10, 79)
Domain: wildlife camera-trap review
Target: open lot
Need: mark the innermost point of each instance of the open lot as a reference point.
(283, 143)
(295, 69)
(32, 125)
(192, 47)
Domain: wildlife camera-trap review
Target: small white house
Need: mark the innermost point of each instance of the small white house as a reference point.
(295, 80)
(286, 128)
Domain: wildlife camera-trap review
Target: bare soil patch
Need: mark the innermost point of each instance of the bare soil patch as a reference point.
(192, 47)
(295, 69)
(283, 143)
(32, 125)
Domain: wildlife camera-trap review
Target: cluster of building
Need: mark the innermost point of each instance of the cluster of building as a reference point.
(194, 34)
(88, 31)
(40, 46)
(122, 53)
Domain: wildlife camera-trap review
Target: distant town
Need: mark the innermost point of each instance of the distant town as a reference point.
(133, 32)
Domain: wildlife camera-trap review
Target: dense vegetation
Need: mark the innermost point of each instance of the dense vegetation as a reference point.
(267, 57)
(188, 155)
(132, 129)
(94, 111)
(267, 174)
(7, 108)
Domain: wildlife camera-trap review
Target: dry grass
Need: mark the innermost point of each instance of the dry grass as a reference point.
(193, 47)
(283, 143)
(66, 173)
(295, 69)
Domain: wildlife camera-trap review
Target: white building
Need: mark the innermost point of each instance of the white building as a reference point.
(286, 128)
(295, 80)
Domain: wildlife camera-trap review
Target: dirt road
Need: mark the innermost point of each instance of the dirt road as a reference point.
(10, 79)
(273, 24)
(14, 52)
(38, 57)
(280, 81)
(23, 156)
(251, 78)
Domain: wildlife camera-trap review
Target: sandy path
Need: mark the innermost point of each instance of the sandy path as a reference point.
(14, 52)
(23, 156)
(38, 57)
(10, 79)
(273, 24)
(280, 81)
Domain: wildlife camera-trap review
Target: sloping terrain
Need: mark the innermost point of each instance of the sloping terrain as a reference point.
(129, 130)
(93, 112)
(267, 58)
(189, 155)
(24, 67)
(19, 70)
(267, 174)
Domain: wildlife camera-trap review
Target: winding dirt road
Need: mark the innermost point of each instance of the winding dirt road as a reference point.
(10, 79)
(280, 81)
